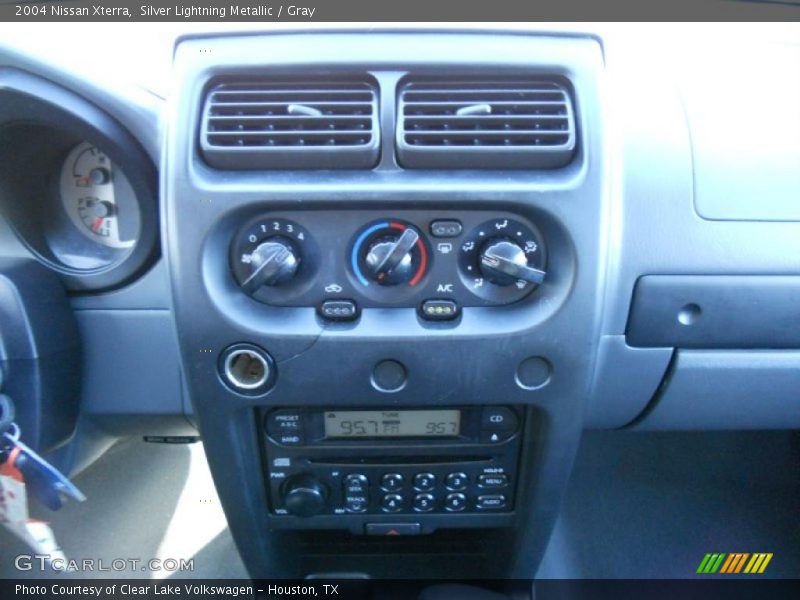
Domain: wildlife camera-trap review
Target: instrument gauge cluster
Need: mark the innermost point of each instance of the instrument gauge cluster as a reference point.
(76, 187)
(89, 186)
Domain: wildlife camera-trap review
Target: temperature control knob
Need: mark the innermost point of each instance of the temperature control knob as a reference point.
(305, 496)
(273, 262)
(389, 260)
(392, 254)
(504, 262)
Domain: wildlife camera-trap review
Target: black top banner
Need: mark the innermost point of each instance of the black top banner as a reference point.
(465, 11)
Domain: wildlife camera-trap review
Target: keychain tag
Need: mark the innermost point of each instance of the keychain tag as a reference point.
(14, 514)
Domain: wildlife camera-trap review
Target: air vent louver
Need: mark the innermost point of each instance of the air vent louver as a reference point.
(291, 125)
(485, 125)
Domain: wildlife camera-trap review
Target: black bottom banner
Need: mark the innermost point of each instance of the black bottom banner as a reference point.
(362, 589)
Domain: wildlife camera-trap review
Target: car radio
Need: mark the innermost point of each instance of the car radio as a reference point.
(392, 470)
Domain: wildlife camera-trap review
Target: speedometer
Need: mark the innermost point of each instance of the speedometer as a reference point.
(88, 186)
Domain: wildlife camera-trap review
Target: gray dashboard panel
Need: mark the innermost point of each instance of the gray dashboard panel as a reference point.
(741, 106)
(626, 379)
(132, 379)
(655, 228)
(728, 389)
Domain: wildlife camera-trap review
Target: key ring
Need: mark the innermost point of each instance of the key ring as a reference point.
(12, 433)
(6, 414)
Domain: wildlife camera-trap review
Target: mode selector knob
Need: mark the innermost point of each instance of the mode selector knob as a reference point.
(305, 496)
(273, 262)
(504, 262)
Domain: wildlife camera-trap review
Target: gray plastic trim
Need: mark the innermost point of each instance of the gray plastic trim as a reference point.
(733, 389)
(624, 382)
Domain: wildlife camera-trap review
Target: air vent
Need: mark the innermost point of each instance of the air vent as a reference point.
(291, 125)
(485, 125)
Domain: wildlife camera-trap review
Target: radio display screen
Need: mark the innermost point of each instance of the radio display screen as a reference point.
(392, 423)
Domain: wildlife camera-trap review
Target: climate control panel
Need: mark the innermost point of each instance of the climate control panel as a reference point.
(435, 261)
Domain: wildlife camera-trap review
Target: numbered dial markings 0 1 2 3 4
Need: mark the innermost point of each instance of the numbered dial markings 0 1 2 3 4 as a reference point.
(502, 260)
(271, 254)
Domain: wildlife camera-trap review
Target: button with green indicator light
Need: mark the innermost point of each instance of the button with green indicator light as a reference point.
(439, 310)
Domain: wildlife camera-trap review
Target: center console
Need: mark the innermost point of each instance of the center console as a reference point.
(387, 253)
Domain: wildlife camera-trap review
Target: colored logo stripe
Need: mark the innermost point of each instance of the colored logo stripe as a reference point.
(734, 562)
(710, 563)
(758, 563)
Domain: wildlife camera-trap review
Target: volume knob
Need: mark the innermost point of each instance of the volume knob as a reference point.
(305, 496)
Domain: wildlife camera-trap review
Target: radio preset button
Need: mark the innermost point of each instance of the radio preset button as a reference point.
(491, 502)
(392, 503)
(455, 502)
(392, 482)
(424, 502)
(424, 482)
(493, 481)
(456, 481)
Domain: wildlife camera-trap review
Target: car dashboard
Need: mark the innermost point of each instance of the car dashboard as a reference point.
(391, 276)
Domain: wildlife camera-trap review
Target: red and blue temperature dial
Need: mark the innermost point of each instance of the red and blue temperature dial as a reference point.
(389, 253)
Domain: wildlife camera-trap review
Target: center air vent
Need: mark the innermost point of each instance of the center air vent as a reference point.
(291, 125)
(485, 125)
